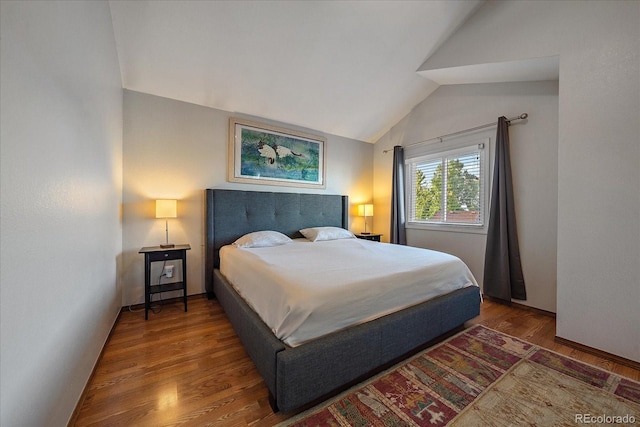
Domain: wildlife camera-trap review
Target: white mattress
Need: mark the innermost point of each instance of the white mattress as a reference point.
(304, 289)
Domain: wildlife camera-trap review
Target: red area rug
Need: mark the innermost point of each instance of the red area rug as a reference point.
(482, 377)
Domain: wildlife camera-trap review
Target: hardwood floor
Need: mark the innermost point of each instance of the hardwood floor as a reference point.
(190, 368)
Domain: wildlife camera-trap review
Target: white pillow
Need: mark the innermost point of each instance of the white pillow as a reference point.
(262, 239)
(326, 233)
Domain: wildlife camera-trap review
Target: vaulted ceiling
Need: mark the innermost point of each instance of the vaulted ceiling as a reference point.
(347, 68)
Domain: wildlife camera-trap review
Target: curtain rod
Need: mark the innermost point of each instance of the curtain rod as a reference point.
(520, 117)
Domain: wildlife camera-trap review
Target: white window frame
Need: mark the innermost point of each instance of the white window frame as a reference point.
(451, 148)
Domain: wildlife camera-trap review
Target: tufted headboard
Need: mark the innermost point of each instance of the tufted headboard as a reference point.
(231, 214)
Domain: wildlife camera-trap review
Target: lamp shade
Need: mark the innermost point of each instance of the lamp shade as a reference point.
(166, 209)
(365, 210)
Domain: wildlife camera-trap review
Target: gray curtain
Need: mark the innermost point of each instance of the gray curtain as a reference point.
(398, 233)
(503, 278)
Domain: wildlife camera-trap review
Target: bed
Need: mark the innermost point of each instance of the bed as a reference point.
(299, 375)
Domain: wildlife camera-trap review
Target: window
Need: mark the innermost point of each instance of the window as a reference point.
(448, 187)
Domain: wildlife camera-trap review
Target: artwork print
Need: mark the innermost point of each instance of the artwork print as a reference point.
(268, 155)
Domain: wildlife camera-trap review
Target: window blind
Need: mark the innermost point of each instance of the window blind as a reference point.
(447, 187)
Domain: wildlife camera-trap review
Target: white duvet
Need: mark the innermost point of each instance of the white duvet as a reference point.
(303, 290)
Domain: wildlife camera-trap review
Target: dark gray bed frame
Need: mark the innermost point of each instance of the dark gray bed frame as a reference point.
(297, 376)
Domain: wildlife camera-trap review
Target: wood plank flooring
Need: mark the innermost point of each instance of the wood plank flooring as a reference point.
(190, 368)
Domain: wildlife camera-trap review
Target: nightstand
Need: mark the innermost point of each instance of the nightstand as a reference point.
(372, 237)
(157, 254)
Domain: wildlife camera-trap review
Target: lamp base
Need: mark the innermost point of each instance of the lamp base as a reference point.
(365, 232)
(167, 245)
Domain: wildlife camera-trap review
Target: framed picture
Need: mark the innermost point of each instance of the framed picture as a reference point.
(264, 154)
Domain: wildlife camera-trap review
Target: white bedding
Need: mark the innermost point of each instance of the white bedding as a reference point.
(303, 290)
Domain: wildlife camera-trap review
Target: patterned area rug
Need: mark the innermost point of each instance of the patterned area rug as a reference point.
(482, 377)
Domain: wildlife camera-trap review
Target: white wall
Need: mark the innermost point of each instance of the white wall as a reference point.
(175, 150)
(598, 43)
(534, 153)
(61, 142)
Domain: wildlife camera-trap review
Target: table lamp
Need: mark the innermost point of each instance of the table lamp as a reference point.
(365, 211)
(166, 209)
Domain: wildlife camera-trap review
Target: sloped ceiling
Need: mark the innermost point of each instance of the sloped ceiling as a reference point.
(347, 68)
(521, 70)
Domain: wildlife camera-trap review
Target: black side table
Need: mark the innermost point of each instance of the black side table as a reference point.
(372, 237)
(155, 254)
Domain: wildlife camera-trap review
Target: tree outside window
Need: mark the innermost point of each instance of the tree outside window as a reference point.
(447, 189)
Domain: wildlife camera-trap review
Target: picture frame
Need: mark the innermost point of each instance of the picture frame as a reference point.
(270, 155)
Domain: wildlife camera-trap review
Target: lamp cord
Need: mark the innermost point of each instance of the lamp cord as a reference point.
(164, 263)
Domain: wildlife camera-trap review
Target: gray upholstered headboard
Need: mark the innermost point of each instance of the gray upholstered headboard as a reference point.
(231, 214)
